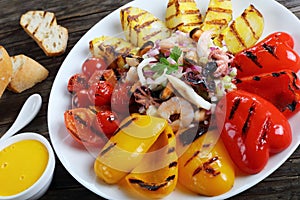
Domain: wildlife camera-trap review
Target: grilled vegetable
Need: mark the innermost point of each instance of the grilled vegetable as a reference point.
(109, 48)
(280, 88)
(244, 31)
(126, 148)
(251, 128)
(273, 53)
(218, 16)
(141, 26)
(183, 15)
(210, 173)
(156, 175)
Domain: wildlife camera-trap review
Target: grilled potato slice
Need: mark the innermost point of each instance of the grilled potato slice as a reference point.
(141, 26)
(244, 31)
(218, 16)
(183, 15)
(110, 48)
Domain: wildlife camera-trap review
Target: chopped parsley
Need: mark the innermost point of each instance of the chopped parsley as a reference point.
(163, 63)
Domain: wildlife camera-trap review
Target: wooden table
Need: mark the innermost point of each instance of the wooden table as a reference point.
(79, 16)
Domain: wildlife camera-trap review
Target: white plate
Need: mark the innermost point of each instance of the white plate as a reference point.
(79, 162)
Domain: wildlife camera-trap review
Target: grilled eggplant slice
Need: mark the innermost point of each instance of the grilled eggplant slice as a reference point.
(110, 48)
(183, 15)
(218, 16)
(141, 26)
(244, 31)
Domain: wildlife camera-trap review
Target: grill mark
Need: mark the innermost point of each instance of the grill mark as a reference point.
(244, 17)
(170, 178)
(80, 120)
(294, 76)
(219, 10)
(270, 50)
(104, 151)
(247, 123)
(197, 170)
(173, 164)
(292, 106)
(126, 124)
(171, 150)
(253, 58)
(256, 78)
(217, 22)
(191, 158)
(147, 37)
(264, 133)
(209, 169)
(235, 106)
(147, 23)
(236, 34)
(275, 74)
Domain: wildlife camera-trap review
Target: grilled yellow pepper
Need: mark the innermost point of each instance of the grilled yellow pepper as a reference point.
(127, 147)
(156, 175)
(205, 166)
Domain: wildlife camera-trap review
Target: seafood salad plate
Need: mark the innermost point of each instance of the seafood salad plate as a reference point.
(170, 100)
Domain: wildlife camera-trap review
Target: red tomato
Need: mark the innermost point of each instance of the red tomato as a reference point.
(100, 93)
(81, 99)
(120, 98)
(77, 82)
(91, 65)
(106, 122)
(79, 121)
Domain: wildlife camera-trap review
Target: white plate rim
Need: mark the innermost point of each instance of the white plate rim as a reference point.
(81, 48)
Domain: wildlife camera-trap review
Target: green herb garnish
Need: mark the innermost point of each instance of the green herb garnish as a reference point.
(164, 63)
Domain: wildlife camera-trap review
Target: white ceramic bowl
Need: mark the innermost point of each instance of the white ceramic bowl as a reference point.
(42, 184)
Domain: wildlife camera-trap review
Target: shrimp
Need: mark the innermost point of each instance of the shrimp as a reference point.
(177, 108)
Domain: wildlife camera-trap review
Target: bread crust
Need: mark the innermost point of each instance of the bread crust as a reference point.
(26, 73)
(6, 69)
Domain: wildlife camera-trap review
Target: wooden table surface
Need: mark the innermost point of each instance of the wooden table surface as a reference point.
(79, 16)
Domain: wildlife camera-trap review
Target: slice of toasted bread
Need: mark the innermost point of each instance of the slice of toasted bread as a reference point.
(26, 73)
(6, 70)
(43, 28)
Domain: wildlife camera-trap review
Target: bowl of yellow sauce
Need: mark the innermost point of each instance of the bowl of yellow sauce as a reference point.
(27, 164)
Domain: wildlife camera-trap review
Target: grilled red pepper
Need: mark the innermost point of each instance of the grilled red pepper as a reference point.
(252, 128)
(274, 53)
(281, 88)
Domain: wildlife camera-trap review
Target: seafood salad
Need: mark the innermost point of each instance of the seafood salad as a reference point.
(175, 101)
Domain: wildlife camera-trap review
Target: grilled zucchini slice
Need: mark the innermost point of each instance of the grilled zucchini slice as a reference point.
(218, 16)
(110, 48)
(183, 15)
(141, 26)
(244, 31)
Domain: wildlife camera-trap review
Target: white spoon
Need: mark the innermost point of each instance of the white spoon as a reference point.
(29, 110)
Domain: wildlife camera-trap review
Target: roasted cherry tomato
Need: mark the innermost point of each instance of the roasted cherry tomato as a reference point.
(251, 128)
(77, 82)
(274, 53)
(106, 122)
(103, 75)
(92, 64)
(100, 93)
(281, 88)
(81, 99)
(79, 124)
(120, 98)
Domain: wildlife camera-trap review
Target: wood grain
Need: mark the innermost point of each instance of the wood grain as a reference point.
(79, 16)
